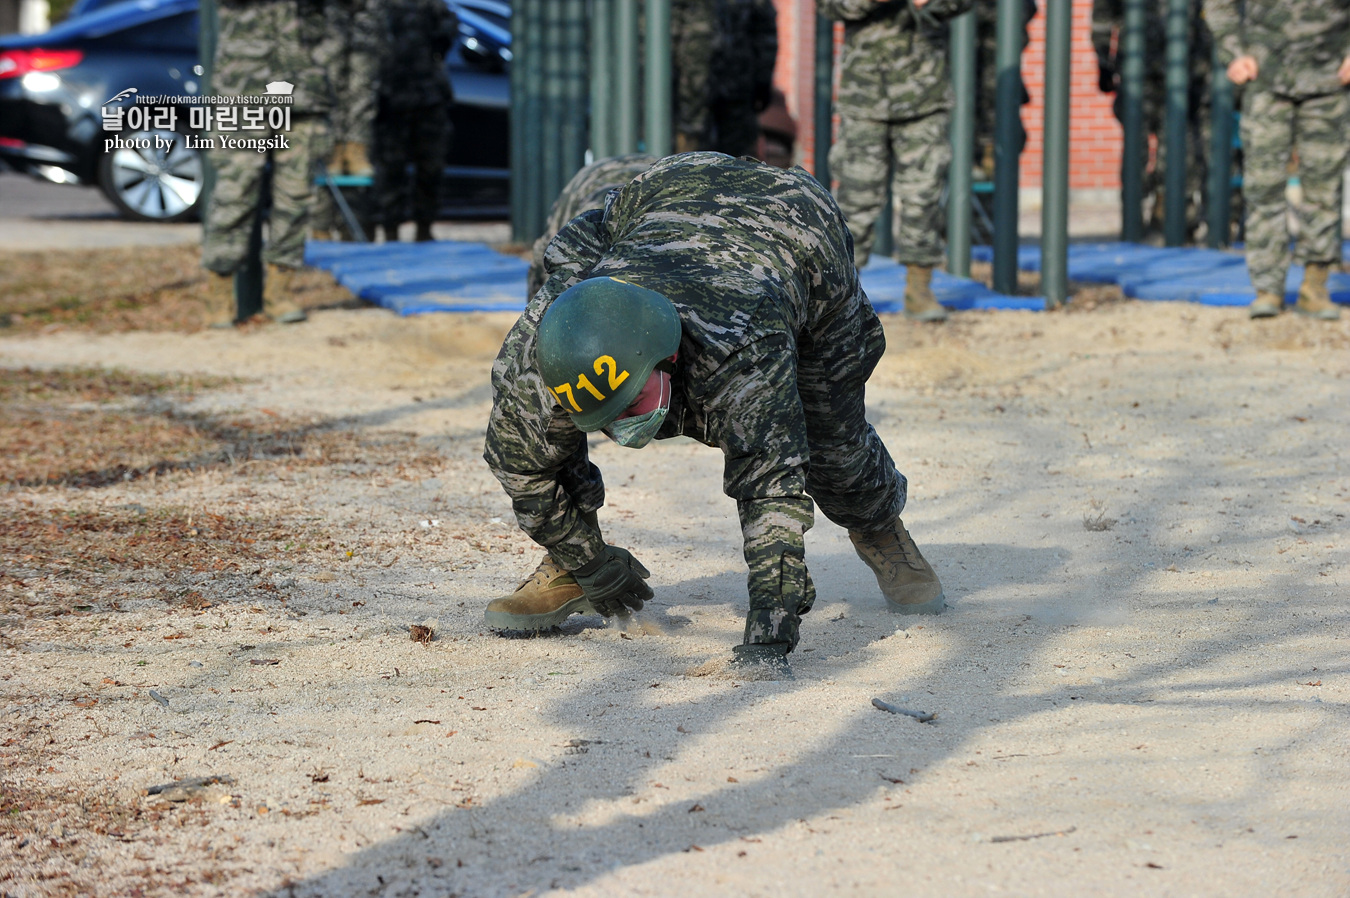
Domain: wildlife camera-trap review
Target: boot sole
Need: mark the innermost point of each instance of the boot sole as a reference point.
(501, 620)
(1263, 312)
(1327, 315)
(931, 607)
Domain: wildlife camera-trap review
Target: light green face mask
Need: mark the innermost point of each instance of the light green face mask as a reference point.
(636, 432)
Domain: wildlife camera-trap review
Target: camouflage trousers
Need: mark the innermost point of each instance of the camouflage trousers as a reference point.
(1272, 128)
(236, 196)
(416, 137)
(914, 154)
(850, 474)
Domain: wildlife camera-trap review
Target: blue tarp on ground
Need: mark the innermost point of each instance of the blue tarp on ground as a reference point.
(412, 278)
(1208, 276)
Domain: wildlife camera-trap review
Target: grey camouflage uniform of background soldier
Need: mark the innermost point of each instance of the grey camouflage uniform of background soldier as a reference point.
(412, 124)
(586, 191)
(261, 41)
(353, 31)
(778, 342)
(745, 49)
(1294, 58)
(895, 99)
(986, 82)
(691, 46)
(723, 53)
(1108, 21)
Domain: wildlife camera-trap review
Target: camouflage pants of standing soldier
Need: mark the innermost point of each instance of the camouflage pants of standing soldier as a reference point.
(236, 196)
(915, 154)
(418, 137)
(1272, 128)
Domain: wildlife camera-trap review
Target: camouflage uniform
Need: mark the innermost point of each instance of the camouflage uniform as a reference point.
(744, 52)
(412, 126)
(779, 340)
(986, 78)
(586, 191)
(1108, 21)
(895, 99)
(691, 47)
(262, 41)
(1296, 101)
(354, 53)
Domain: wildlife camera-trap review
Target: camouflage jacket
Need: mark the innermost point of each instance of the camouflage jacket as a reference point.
(894, 65)
(1298, 44)
(754, 258)
(261, 41)
(745, 49)
(416, 36)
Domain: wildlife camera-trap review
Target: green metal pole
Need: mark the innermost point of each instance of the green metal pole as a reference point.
(824, 99)
(520, 55)
(1178, 88)
(629, 76)
(602, 85)
(884, 243)
(1135, 146)
(576, 88)
(1219, 199)
(553, 92)
(536, 203)
(659, 88)
(1006, 139)
(1055, 171)
(963, 144)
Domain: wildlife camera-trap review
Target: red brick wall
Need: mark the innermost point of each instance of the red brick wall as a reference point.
(1094, 138)
(1094, 133)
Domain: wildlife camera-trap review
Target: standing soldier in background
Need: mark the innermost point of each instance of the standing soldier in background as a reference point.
(986, 82)
(264, 41)
(1108, 22)
(1294, 58)
(353, 32)
(895, 100)
(745, 49)
(691, 48)
(412, 122)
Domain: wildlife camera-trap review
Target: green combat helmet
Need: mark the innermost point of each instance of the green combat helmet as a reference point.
(598, 343)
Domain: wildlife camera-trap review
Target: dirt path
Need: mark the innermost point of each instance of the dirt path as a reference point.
(1141, 684)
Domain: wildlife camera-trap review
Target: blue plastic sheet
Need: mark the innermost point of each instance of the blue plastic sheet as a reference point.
(443, 276)
(1207, 276)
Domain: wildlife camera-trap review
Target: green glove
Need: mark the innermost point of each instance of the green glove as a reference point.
(613, 582)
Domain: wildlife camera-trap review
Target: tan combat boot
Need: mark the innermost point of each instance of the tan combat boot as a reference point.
(919, 302)
(218, 297)
(279, 295)
(686, 143)
(1266, 305)
(910, 584)
(1314, 300)
(544, 599)
(357, 160)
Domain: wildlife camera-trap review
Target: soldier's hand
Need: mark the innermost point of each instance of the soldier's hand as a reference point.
(613, 582)
(1106, 78)
(1244, 69)
(1343, 73)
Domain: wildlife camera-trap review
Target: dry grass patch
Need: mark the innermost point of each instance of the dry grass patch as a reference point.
(153, 288)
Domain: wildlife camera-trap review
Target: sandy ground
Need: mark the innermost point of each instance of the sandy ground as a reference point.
(1141, 683)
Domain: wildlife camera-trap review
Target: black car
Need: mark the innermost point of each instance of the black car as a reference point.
(54, 86)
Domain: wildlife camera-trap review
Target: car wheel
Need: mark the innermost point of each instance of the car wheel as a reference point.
(156, 178)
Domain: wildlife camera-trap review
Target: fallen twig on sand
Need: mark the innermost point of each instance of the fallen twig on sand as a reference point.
(920, 716)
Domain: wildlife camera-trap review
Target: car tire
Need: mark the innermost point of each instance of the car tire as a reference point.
(150, 183)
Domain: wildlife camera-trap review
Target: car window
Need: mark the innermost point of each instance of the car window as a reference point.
(172, 33)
